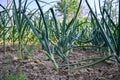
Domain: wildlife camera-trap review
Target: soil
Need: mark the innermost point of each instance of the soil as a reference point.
(38, 66)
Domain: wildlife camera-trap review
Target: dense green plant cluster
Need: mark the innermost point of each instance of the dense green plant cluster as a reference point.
(19, 24)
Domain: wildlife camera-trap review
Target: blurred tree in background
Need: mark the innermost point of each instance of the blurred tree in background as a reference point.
(71, 6)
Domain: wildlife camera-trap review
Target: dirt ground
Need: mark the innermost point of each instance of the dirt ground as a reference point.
(38, 67)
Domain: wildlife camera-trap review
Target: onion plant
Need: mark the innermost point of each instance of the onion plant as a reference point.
(108, 27)
(65, 34)
(21, 28)
(4, 24)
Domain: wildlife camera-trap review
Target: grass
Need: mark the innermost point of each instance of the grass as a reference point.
(15, 76)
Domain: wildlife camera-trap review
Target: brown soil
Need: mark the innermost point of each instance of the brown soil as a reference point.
(40, 68)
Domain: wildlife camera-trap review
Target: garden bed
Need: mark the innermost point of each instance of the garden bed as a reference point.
(38, 66)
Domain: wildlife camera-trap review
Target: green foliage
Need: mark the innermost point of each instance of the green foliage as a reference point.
(15, 76)
(71, 6)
